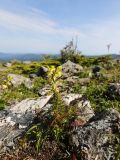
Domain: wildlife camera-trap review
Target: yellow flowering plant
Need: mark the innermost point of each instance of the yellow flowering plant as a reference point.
(6, 83)
(54, 75)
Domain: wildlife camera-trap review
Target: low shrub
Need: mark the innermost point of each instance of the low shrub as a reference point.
(2, 104)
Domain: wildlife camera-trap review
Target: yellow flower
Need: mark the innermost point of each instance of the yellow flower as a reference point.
(4, 86)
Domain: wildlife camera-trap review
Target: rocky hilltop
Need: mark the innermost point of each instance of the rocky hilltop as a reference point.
(74, 115)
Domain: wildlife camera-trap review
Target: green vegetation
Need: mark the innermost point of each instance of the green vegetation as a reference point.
(13, 94)
(53, 125)
(95, 90)
(60, 115)
(2, 104)
(97, 95)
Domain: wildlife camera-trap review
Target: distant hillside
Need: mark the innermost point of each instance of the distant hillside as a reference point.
(115, 55)
(7, 57)
(32, 57)
(23, 57)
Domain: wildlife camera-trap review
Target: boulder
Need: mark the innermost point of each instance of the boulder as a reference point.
(69, 68)
(84, 109)
(98, 138)
(15, 119)
(96, 71)
(17, 80)
(114, 91)
(42, 72)
(90, 136)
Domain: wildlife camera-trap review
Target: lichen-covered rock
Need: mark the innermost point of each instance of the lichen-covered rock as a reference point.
(15, 119)
(83, 108)
(17, 80)
(96, 140)
(69, 98)
(69, 68)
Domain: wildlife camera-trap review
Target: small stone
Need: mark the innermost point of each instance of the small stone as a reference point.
(71, 97)
(44, 91)
(42, 72)
(32, 75)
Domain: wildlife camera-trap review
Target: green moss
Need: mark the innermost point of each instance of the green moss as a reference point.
(2, 104)
(49, 62)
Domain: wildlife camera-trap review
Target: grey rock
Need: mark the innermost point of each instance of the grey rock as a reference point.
(85, 110)
(32, 75)
(69, 68)
(42, 72)
(70, 98)
(96, 71)
(10, 145)
(97, 139)
(15, 119)
(72, 79)
(17, 80)
(45, 90)
(114, 91)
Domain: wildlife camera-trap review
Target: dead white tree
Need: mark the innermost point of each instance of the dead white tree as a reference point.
(108, 47)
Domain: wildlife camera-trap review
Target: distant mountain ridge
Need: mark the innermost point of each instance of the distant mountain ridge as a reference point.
(34, 57)
(116, 55)
(22, 57)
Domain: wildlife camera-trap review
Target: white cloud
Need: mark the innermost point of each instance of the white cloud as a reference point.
(34, 21)
(93, 37)
(99, 34)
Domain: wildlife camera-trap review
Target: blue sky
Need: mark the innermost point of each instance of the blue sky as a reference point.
(45, 26)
